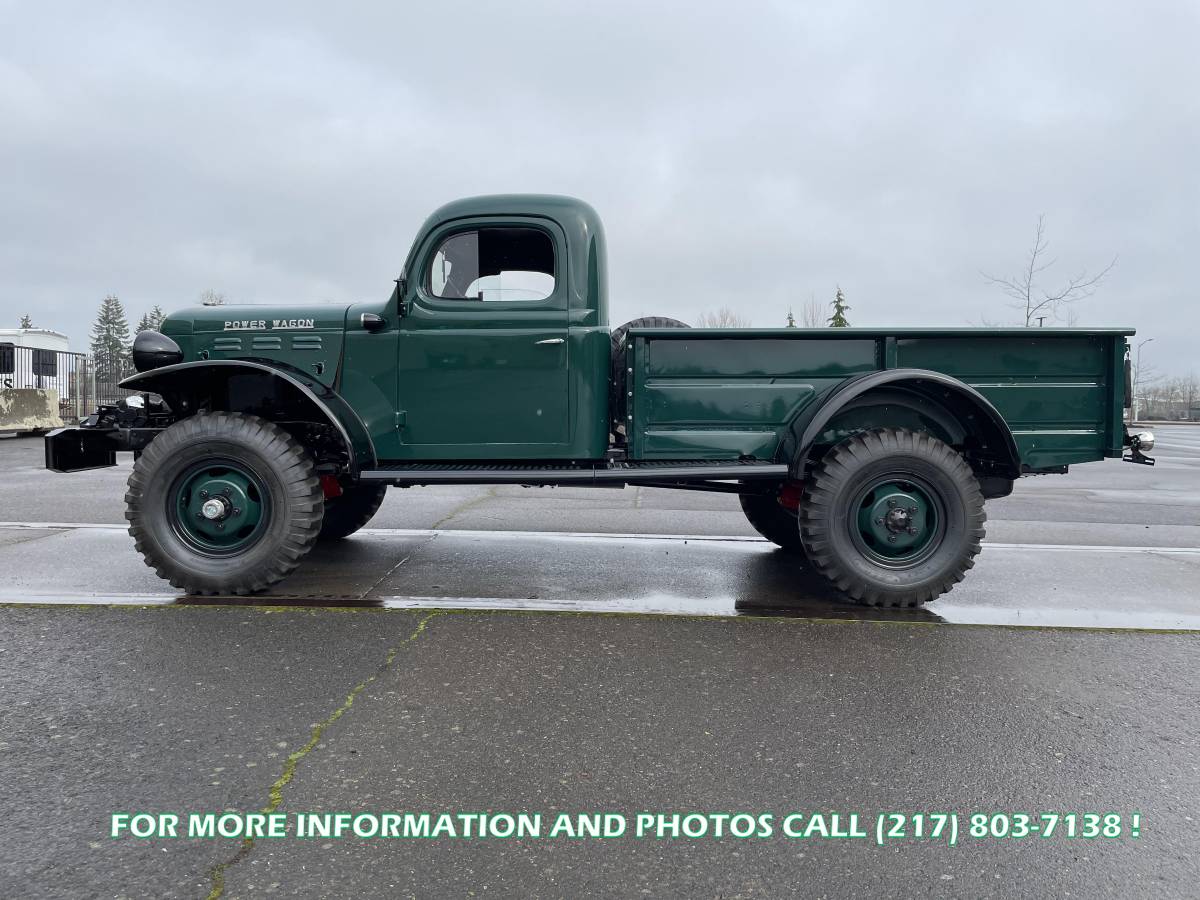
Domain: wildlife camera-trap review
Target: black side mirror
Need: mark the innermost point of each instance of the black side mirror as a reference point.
(372, 322)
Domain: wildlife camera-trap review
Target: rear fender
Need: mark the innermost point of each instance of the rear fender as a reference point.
(258, 386)
(952, 408)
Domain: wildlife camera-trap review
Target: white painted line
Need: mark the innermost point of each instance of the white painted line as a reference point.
(1092, 548)
(430, 532)
(618, 537)
(31, 598)
(69, 526)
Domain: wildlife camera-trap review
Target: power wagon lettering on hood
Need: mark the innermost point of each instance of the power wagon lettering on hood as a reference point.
(261, 324)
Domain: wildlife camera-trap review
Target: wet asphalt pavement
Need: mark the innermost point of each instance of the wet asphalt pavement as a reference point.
(750, 687)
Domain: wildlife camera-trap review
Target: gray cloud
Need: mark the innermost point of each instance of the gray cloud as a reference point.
(748, 155)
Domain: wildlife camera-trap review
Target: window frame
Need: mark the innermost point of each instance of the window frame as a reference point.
(422, 289)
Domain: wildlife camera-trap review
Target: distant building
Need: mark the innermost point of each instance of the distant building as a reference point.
(41, 338)
(39, 384)
(30, 357)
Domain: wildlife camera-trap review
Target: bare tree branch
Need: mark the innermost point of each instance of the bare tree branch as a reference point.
(1025, 289)
(723, 318)
(813, 314)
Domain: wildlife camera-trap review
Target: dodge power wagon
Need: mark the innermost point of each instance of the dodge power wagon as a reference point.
(259, 430)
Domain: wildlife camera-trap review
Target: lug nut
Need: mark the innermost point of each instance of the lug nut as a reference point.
(220, 526)
(912, 531)
(912, 510)
(891, 539)
(879, 521)
(204, 495)
(236, 511)
(891, 504)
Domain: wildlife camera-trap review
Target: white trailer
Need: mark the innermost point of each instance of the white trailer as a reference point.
(41, 381)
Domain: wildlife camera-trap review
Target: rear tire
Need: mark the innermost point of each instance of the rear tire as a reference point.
(351, 511)
(224, 503)
(773, 520)
(892, 517)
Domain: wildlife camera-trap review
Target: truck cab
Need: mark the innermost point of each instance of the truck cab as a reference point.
(497, 334)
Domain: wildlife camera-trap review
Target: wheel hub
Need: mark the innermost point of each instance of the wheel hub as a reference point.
(219, 508)
(896, 521)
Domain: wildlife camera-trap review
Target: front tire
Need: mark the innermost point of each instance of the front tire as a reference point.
(892, 517)
(224, 503)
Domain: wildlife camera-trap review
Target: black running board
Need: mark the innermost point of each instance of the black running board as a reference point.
(651, 473)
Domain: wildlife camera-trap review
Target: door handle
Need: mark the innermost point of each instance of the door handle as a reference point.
(552, 341)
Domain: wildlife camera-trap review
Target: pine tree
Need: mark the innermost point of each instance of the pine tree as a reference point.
(151, 321)
(110, 341)
(838, 319)
(26, 322)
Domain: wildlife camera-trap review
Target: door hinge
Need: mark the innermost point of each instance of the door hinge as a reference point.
(401, 419)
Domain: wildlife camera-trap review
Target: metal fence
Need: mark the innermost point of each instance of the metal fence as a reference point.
(82, 382)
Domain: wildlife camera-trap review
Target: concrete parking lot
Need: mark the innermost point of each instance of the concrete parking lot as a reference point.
(472, 632)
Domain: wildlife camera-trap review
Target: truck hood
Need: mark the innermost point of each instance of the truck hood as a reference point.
(258, 318)
(304, 336)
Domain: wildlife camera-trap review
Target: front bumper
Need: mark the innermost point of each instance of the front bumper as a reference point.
(80, 448)
(77, 449)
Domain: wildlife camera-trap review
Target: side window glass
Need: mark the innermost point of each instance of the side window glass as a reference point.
(493, 265)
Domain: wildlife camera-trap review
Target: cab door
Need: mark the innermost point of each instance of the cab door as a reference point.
(482, 369)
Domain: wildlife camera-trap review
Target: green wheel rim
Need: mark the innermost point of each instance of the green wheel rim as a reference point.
(219, 507)
(898, 521)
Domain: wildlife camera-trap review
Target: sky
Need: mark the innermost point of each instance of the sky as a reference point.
(750, 155)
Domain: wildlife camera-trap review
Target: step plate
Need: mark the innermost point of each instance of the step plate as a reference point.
(659, 472)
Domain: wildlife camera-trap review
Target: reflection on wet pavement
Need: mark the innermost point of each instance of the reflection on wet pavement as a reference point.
(1012, 584)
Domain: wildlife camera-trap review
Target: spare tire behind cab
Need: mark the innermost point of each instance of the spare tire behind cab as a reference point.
(618, 392)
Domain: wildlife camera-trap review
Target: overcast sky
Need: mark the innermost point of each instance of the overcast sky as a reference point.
(741, 154)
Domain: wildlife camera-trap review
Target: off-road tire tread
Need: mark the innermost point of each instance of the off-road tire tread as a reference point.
(362, 502)
(298, 474)
(817, 514)
(772, 521)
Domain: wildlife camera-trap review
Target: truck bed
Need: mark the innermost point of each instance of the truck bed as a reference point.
(730, 393)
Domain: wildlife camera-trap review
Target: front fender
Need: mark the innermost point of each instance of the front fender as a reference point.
(182, 383)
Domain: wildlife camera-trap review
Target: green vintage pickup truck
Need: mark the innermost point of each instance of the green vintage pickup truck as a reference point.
(259, 430)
